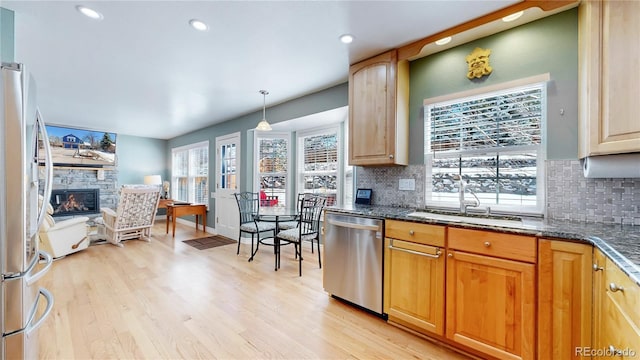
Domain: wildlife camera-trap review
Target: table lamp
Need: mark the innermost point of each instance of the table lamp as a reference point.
(153, 180)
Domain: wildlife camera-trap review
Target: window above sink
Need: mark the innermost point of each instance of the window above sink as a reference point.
(493, 138)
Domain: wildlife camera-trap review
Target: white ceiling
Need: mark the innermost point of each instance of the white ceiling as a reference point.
(144, 71)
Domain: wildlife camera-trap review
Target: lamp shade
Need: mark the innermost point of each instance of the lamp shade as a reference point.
(263, 125)
(153, 180)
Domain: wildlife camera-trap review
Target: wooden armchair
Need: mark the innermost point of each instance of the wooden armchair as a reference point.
(134, 216)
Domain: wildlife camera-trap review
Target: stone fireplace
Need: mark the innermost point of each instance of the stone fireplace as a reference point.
(76, 178)
(71, 202)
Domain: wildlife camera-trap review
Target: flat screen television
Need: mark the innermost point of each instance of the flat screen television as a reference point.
(80, 147)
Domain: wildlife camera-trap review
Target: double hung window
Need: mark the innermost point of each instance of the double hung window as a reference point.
(494, 141)
(190, 173)
(319, 163)
(272, 167)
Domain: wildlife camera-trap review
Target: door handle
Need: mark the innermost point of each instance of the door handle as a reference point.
(349, 225)
(434, 256)
(48, 165)
(31, 325)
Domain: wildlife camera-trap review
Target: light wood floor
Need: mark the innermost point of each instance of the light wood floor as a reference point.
(166, 300)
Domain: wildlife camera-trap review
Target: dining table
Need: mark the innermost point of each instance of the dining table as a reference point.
(275, 214)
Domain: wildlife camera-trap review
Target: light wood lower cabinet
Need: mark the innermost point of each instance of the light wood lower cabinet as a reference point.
(565, 274)
(491, 305)
(414, 276)
(508, 296)
(616, 313)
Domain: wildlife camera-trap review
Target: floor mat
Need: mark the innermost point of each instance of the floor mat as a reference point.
(210, 242)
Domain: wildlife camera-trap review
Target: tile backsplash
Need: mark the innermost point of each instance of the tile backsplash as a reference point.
(570, 196)
(384, 182)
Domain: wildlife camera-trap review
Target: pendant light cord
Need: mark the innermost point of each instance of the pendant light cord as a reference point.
(264, 103)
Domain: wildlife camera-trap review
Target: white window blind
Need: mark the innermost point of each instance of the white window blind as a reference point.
(190, 173)
(508, 119)
(319, 166)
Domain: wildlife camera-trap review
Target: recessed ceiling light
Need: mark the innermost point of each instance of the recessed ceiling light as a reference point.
(198, 25)
(346, 38)
(444, 41)
(512, 16)
(89, 12)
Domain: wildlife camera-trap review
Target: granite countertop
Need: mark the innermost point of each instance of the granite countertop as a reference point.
(620, 243)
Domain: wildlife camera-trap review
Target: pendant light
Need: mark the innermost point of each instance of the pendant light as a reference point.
(263, 125)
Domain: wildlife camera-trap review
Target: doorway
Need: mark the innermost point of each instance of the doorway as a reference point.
(227, 178)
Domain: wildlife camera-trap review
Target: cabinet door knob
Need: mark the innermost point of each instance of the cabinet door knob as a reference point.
(615, 288)
(596, 267)
(613, 351)
(390, 156)
(487, 244)
(411, 232)
(450, 255)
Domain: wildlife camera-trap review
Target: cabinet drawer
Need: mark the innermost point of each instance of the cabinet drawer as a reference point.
(508, 246)
(415, 232)
(627, 299)
(618, 332)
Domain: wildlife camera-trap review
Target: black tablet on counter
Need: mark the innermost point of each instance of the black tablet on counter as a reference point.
(363, 196)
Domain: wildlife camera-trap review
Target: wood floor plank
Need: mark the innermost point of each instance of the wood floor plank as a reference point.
(167, 300)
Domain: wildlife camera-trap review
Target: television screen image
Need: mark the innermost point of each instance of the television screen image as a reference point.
(80, 147)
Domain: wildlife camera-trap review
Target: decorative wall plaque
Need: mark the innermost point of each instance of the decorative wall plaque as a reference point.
(478, 62)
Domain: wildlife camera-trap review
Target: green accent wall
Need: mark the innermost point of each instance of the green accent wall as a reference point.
(548, 45)
(7, 35)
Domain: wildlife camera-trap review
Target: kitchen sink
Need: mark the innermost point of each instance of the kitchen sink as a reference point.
(503, 221)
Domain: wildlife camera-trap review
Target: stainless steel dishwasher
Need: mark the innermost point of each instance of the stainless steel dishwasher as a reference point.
(353, 250)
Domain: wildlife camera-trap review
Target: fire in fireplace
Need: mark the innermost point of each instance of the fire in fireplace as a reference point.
(75, 201)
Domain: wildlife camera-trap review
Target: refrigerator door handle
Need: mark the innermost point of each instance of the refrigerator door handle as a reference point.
(48, 165)
(32, 278)
(31, 325)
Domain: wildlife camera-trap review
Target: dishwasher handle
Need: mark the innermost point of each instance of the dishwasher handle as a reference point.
(351, 225)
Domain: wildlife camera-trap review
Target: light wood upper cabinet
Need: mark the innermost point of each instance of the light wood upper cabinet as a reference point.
(609, 77)
(378, 111)
(414, 275)
(490, 301)
(565, 273)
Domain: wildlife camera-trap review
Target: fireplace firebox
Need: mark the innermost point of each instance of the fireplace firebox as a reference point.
(70, 202)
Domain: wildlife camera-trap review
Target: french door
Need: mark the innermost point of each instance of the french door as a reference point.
(227, 183)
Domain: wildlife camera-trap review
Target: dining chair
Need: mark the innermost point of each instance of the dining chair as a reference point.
(286, 225)
(308, 228)
(249, 207)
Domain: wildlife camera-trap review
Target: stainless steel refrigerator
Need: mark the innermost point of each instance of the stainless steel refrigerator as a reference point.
(24, 305)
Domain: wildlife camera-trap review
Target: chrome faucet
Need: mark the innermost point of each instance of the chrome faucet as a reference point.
(464, 204)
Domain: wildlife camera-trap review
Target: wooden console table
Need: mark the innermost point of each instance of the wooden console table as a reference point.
(162, 204)
(174, 211)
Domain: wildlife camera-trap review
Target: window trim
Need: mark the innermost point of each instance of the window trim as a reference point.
(541, 148)
(186, 148)
(330, 129)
